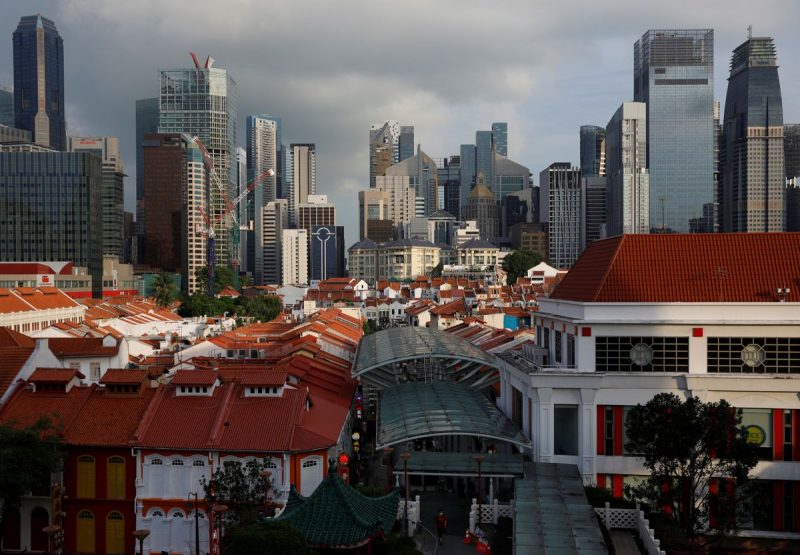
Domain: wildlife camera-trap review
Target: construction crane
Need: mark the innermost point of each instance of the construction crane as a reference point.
(230, 209)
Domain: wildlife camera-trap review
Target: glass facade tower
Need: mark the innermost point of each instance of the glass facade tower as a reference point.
(593, 151)
(39, 81)
(500, 136)
(673, 73)
(202, 102)
(752, 156)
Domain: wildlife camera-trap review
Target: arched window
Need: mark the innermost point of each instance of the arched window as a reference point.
(177, 462)
(39, 519)
(157, 461)
(156, 514)
(86, 477)
(177, 514)
(115, 533)
(85, 533)
(198, 463)
(115, 478)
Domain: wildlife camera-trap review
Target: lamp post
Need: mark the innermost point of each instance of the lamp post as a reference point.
(140, 535)
(51, 531)
(405, 455)
(196, 520)
(265, 474)
(388, 451)
(218, 509)
(479, 460)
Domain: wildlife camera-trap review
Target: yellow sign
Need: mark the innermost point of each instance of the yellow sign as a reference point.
(755, 435)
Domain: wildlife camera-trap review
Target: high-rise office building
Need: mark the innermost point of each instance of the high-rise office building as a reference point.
(301, 180)
(509, 177)
(791, 150)
(294, 252)
(176, 189)
(146, 122)
(6, 108)
(201, 101)
(500, 137)
(628, 202)
(468, 173)
(561, 207)
(449, 183)
(326, 252)
(401, 198)
(594, 208)
(405, 143)
(484, 156)
(514, 209)
(674, 77)
(384, 148)
(39, 81)
(14, 135)
(263, 152)
(753, 178)
(51, 209)
(482, 208)
(593, 151)
(316, 211)
(113, 214)
(275, 216)
(374, 222)
(421, 174)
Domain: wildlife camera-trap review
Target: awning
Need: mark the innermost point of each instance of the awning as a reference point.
(433, 463)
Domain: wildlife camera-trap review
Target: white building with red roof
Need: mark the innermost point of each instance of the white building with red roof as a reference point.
(716, 316)
(30, 309)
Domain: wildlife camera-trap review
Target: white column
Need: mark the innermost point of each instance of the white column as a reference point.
(544, 424)
(588, 435)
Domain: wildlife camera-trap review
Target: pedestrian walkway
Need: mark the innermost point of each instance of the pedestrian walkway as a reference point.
(623, 541)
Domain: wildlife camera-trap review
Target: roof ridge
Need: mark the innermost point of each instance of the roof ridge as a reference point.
(215, 438)
(601, 283)
(149, 414)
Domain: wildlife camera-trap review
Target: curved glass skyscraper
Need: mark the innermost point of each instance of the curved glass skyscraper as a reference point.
(674, 76)
(752, 157)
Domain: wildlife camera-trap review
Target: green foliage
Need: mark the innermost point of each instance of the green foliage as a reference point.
(27, 458)
(437, 270)
(223, 278)
(164, 289)
(262, 308)
(241, 487)
(519, 262)
(265, 538)
(684, 445)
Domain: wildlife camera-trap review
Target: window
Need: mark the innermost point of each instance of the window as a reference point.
(156, 461)
(516, 406)
(116, 478)
(198, 463)
(115, 533)
(758, 425)
(86, 477)
(177, 514)
(787, 435)
(565, 430)
(85, 543)
(309, 464)
(177, 462)
(75, 365)
(557, 346)
(608, 426)
(94, 371)
(642, 354)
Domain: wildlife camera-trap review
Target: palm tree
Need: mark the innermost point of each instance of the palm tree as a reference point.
(165, 289)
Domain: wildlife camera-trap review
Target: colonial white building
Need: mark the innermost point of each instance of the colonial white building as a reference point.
(712, 316)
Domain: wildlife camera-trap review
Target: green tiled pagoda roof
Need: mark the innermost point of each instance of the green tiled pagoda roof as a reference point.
(336, 515)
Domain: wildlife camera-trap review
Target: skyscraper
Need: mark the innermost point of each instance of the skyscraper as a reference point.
(595, 213)
(405, 143)
(107, 149)
(316, 211)
(484, 156)
(6, 108)
(374, 221)
(561, 201)
(294, 252)
(263, 151)
(275, 217)
(482, 208)
(500, 137)
(674, 76)
(201, 101)
(628, 193)
(752, 158)
(384, 148)
(791, 150)
(422, 175)
(327, 252)
(51, 208)
(301, 180)
(593, 151)
(39, 81)
(468, 173)
(146, 122)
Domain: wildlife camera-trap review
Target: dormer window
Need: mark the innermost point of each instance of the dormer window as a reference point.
(193, 390)
(263, 391)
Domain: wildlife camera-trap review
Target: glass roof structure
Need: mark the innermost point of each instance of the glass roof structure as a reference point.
(417, 410)
(551, 513)
(432, 463)
(398, 355)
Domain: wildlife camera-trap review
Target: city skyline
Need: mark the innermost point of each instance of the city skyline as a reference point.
(332, 100)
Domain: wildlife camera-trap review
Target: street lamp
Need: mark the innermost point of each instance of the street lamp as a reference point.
(405, 455)
(140, 535)
(265, 474)
(218, 509)
(479, 460)
(196, 520)
(388, 451)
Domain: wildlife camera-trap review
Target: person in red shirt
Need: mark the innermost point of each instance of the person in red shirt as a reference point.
(441, 524)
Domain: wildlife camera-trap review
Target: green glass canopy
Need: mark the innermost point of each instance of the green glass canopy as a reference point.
(417, 410)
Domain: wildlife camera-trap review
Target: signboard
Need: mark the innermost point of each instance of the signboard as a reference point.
(755, 435)
(45, 280)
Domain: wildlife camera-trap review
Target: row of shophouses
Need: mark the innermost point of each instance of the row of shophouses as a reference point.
(139, 443)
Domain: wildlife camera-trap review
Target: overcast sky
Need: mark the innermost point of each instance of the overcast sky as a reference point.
(330, 68)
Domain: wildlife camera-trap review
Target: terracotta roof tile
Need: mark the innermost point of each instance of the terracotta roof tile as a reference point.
(121, 376)
(81, 347)
(54, 375)
(195, 377)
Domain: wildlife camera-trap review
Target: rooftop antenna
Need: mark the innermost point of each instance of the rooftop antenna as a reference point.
(749, 32)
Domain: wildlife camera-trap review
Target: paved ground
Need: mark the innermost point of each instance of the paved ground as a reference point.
(457, 511)
(623, 541)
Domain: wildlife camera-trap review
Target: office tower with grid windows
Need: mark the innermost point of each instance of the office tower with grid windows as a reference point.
(593, 151)
(326, 252)
(294, 251)
(301, 178)
(752, 155)
(561, 207)
(500, 138)
(674, 76)
(405, 143)
(201, 101)
(628, 194)
(263, 153)
(39, 81)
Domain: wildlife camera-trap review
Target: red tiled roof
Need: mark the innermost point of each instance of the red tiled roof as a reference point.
(228, 291)
(265, 377)
(195, 377)
(718, 267)
(450, 309)
(15, 350)
(121, 376)
(54, 375)
(81, 347)
(108, 420)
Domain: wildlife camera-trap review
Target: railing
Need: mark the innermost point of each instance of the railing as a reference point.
(429, 542)
(413, 513)
(631, 519)
(489, 512)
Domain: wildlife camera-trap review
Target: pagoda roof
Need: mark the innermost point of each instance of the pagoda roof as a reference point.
(338, 516)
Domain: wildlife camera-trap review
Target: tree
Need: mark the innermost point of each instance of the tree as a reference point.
(164, 289)
(28, 455)
(690, 447)
(241, 487)
(519, 262)
(437, 270)
(263, 308)
(223, 278)
(266, 538)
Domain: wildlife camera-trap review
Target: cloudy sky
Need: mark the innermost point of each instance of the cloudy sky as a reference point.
(448, 67)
